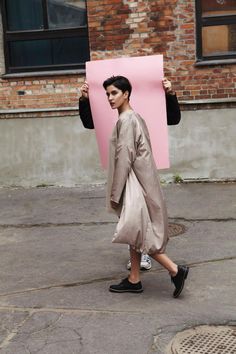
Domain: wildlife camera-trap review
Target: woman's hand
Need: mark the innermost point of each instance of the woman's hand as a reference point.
(84, 89)
(167, 86)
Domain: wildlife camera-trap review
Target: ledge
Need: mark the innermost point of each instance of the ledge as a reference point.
(209, 101)
(43, 73)
(63, 109)
(215, 62)
(35, 110)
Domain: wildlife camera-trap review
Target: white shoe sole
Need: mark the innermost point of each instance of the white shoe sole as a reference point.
(146, 267)
(141, 267)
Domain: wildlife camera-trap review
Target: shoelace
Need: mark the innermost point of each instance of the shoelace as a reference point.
(145, 258)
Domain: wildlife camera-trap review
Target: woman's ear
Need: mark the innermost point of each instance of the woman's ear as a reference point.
(126, 94)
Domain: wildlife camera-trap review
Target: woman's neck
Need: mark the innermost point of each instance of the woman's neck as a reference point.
(125, 107)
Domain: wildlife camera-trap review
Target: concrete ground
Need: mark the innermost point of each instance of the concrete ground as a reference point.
(57, 262)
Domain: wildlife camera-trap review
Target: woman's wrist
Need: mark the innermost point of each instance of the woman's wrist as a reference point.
(171, 92)
(83, 98)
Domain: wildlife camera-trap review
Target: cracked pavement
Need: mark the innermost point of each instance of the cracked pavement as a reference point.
(57, 262)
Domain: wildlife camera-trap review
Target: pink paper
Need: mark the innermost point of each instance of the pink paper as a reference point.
(147, 98)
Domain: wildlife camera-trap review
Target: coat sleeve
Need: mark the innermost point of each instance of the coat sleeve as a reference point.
(125, 154)
(85, 113)
(173, 110)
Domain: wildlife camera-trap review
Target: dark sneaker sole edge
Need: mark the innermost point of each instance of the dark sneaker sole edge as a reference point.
(126, 291)
(145, 269)
(141, 268)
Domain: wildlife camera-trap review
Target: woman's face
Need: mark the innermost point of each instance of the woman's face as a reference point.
(116, 97)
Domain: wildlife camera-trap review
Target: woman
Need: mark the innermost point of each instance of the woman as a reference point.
(134, 192)
(173, 118)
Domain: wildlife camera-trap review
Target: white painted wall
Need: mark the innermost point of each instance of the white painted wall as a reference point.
(203, 145)
(59, 151)
(56, 151)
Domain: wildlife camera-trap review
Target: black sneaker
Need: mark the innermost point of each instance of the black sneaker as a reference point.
(179, 280)
(126, 287)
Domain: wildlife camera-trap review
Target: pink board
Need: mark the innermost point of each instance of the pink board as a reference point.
(147, 98)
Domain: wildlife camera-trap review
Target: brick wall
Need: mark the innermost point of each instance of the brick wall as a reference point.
(159, 27)
(40, 92)
(131, 28)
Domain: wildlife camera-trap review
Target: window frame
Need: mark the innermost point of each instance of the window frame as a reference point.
(45, 33)
(211, 21)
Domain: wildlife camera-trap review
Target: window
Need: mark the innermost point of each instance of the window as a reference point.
(44, 35)
(216, 30)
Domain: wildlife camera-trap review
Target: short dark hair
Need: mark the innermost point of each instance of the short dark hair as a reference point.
(120, 82)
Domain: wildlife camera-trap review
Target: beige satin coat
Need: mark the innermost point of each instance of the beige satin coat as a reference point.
(134, 184)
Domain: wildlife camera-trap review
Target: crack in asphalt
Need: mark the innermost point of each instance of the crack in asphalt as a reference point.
(68, 310)
(100, 280)
(95, 223)
(15, 330)
(28, 226)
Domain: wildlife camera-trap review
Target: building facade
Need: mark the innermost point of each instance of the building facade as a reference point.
(43, 49)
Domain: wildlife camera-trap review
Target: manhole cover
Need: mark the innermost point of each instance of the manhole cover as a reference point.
(205, 340)
(175, 229)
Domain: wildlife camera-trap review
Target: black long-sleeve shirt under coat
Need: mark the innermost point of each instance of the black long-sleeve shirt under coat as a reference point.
(172, 109)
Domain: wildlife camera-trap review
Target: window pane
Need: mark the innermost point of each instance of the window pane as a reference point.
(66, 14)
(218, 7)
(219, 40)
(30, 53)
(24, 15)
(49, 52)
(70, 50)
